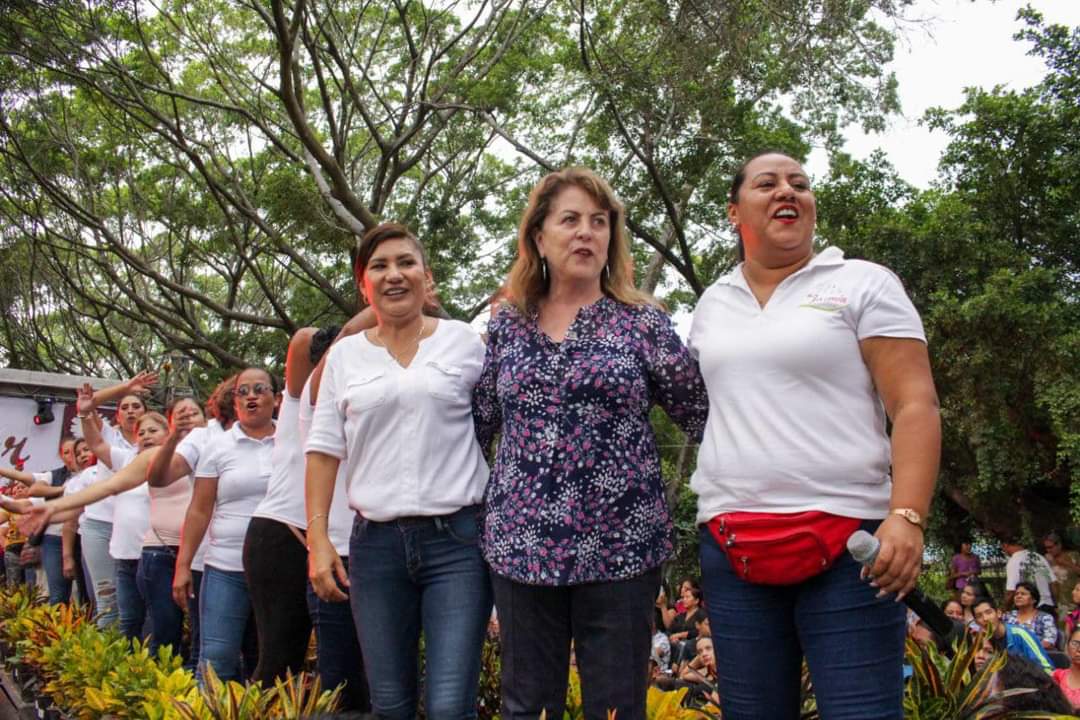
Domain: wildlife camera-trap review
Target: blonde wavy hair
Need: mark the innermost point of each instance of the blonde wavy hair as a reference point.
(526, 286)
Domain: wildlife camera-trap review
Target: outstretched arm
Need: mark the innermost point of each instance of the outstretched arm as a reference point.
(20, 476)
(131, 475)
(138, 385)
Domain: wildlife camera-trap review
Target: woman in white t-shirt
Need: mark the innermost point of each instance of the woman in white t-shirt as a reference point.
(805, 355)
(167, 507)
(131, 512)
(394, 405)
(230, 481)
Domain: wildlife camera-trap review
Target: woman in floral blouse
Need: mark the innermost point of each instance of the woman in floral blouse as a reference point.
(1027, 615)
(576, 524)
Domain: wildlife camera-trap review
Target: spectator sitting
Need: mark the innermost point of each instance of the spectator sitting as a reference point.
(702, 625)
(953, 610)
(661, 653)
(1020, 673)
(684, 626)
(1027, 615)
(1014, 639)
(1065, 565)
(971, 592)
(700, 674)
(1072, 620)
(1068, 679)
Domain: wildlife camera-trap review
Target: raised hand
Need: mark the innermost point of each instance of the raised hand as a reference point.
(84, 404)
(141, 383)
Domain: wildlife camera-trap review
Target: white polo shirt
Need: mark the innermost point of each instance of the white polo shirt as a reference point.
(131, 512)
(406, 434)
(794, 421)
(241, 466)
(340, 522)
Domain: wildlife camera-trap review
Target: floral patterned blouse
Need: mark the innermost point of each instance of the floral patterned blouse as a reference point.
(575, 495)
(1041, 626)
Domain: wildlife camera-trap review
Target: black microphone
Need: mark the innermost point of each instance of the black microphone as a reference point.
(864, 548)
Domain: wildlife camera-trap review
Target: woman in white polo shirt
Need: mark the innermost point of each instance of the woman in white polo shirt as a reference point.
(230, 481)
(394, 405)
(805, 355)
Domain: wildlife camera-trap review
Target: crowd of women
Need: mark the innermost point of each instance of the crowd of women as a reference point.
(422, 473)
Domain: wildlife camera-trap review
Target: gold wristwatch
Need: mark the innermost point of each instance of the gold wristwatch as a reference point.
(911, 515)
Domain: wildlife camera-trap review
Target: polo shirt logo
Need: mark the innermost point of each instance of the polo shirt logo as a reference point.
(826, 297)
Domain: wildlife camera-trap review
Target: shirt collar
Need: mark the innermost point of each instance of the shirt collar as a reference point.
(828, 257)
(239, 434)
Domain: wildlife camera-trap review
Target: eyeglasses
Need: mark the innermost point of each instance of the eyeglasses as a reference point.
(1074, 644)
(256, 389)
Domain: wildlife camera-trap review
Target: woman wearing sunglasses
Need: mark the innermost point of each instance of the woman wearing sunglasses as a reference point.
(230, 481)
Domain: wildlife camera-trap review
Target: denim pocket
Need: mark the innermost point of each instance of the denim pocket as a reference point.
(359, 530)
(464, 527)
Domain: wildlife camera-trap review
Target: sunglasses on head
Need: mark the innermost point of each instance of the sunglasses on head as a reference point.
(256, 389)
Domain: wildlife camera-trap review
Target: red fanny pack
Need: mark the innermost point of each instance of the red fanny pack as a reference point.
(781, 548)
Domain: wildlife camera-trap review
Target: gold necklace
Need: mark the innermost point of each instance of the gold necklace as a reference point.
(386, 345)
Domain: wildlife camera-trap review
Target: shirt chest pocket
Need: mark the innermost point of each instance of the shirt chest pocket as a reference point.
(445, 381)
(365, 392)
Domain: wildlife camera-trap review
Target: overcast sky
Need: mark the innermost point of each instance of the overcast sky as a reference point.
(955, 44)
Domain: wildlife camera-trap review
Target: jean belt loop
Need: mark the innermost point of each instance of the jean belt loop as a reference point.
(440, 524)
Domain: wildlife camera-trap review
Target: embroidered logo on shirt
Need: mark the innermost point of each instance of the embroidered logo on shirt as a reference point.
(826, 297)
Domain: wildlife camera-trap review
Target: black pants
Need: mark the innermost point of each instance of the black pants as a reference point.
(275, 567)
(609, 623)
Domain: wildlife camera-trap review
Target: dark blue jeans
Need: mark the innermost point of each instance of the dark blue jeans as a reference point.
(52, 560)
(227, 625)
(413, 574)
(609, 623)
(339, 658)
(155, 583)
(129, 600)
(853, 642)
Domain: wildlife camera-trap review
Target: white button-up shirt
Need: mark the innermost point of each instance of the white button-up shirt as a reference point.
(406, 435)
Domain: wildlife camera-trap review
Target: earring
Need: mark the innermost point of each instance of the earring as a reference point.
(543, 268)
(607, 272)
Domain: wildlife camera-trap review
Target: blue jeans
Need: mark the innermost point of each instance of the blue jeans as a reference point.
(155, 583)
(52, 561)
(129, 599)
(100, 569)
(227, 625)
(853, 642)
(416, 573)
(339, 657)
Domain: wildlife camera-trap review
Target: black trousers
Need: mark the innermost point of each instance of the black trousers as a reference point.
(609, 623)
(275, 567)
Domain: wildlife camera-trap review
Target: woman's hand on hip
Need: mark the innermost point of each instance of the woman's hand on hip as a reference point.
(325, 570)
(899, 561)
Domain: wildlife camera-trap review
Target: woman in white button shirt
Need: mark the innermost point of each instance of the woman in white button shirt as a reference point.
(394, 405)
(230, 481)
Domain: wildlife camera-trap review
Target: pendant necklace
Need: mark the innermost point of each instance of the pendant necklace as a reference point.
(386, 345)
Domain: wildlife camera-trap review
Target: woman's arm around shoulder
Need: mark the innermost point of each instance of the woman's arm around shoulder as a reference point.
(675, 378)
(487, 412)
